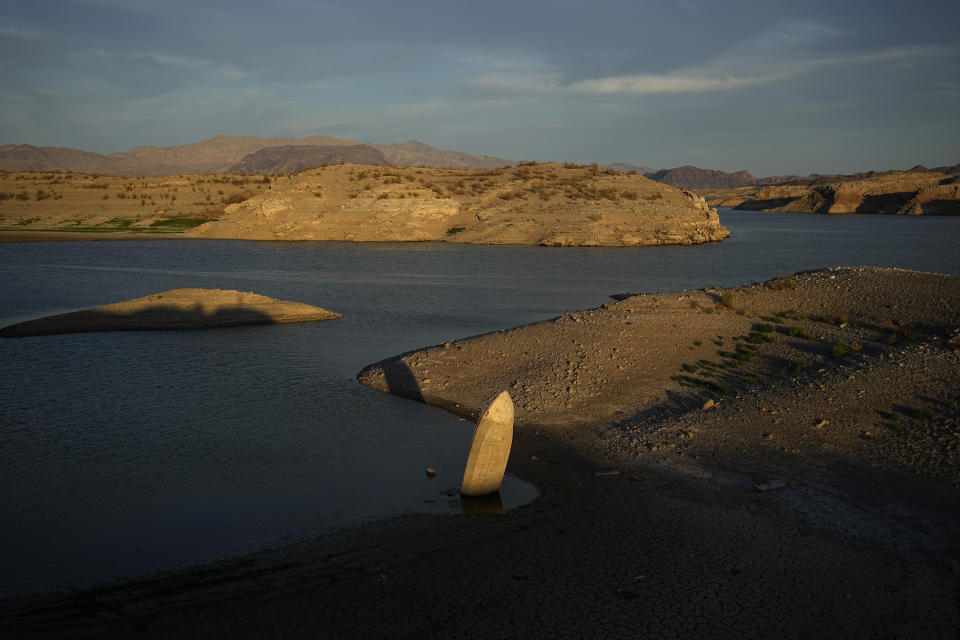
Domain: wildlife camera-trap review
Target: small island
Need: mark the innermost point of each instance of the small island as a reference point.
(176, 309)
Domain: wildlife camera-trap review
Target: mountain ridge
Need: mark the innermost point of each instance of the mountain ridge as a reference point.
(216, 155)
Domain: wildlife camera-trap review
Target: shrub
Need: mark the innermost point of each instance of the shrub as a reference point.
(453, 230)
(838, 349)
(797, 332)
(783, 283)
(236, 198)
(794, 367)
(726, 299)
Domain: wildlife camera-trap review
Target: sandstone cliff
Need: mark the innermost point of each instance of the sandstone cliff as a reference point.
(546, 204)
(901, 192)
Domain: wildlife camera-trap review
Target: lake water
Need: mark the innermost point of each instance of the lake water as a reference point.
(127, 452)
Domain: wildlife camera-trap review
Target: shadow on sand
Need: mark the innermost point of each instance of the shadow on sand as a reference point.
(159, 317)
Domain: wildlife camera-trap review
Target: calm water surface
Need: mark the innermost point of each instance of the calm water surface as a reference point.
(128, 452)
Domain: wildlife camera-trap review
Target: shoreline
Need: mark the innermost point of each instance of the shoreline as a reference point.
(69, 236)
(667, 517)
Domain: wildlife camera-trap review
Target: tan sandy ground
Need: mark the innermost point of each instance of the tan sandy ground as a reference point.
(174, 309)
(816, 502)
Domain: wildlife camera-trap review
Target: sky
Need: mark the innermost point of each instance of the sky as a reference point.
(772, 87)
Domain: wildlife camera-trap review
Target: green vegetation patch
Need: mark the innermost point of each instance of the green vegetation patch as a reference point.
(690, 381)
(118, 222)
(179, 224)
(839, 349)
(794, 367)
(797, 332)
(452, 230)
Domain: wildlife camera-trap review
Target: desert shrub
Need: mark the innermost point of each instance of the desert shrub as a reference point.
(794, 367)
(783, 283)
(452, 230)
(726, 299)
(838, 349)
(797, 332)
(765, 328)
(628, 195)
(236, 198)
(690, 381)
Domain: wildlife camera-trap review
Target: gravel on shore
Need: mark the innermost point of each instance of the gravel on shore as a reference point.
(777, 460)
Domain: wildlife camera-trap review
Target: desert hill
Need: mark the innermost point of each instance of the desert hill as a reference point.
(546, 204)
(415, 153)
(288, 159)
(695, 178)
(215, 155)
(533, 204)
(627, 167)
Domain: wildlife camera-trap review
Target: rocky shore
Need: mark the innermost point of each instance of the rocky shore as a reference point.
(176, 309)
(776, 460)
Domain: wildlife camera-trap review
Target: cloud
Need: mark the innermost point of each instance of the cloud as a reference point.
(676, 83)
(733, 72)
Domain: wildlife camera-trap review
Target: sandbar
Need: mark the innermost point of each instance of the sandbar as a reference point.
(176, 309)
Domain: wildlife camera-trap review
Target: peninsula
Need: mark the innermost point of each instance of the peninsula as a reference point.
(530, 204)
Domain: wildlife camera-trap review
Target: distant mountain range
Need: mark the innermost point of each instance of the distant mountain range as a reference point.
(273, 160)
(250, 154)
(695, 178)
(221, 154)
(688, 177)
